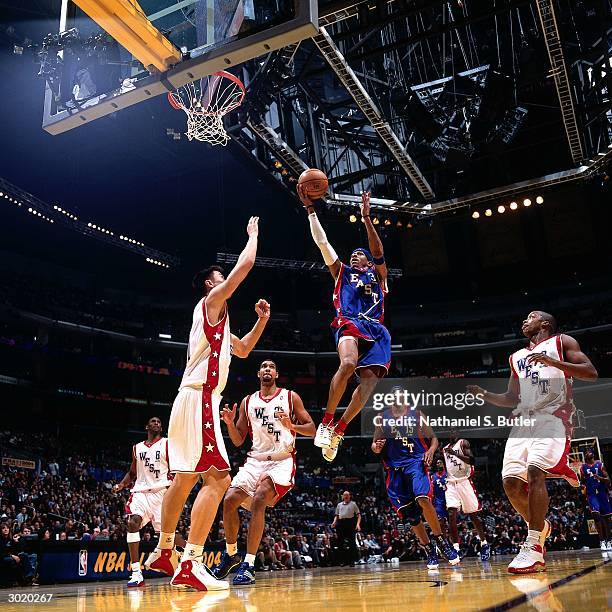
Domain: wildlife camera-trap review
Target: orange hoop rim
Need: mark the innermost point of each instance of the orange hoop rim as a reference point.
(177, 105)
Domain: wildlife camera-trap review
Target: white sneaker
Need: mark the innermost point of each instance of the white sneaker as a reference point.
(323, 437)
(529, 559)
(603, 545)
(163, 560)
(609, 545)
(136, 579)
(195, 574)
(329, 454)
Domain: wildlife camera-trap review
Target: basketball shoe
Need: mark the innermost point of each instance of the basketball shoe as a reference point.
(329, 454)
(163, 560)
(447, 550)
(485, 552)
(227, 564)
(245, 574)
(529, 559)
(432, 556)
(195, 574)
(136, 579)
(323, 437)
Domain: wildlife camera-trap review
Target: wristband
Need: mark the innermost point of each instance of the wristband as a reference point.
(379, 260)
(365, 216)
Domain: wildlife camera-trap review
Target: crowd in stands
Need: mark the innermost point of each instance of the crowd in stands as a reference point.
(69, 497)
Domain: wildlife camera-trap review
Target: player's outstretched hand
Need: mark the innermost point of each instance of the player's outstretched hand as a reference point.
(304, 199)
(475, 390)
(285, 421)
(118, 487)
(429, 455)
(378, 445)
(262, 308)
(253, 226)
(229, 414)
(365, 204)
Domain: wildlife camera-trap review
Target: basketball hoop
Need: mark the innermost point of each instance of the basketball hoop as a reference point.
(205, 102)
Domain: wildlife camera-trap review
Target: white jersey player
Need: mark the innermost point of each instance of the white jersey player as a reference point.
(273, 417)
(151, 479)
(196, 450)
(540, 392)
(460, 491)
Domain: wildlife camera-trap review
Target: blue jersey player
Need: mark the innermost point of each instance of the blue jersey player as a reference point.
(362, 341)
(402, 440)
(438, 481)
(596, 483)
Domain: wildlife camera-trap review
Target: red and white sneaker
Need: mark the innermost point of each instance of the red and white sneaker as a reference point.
(529, 560)
(196, 575)
(163, 560)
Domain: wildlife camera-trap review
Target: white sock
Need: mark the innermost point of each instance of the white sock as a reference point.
(166, 540)
(136, 566)
(231, 549)
(533, 537)
(483, 542)
(456, 546)
(192, 552)
(250, 559)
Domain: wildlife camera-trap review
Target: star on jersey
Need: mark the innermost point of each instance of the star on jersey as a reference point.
(215, 354)
(214, 373)
(210, 447)
(217, 336)
(208, 424)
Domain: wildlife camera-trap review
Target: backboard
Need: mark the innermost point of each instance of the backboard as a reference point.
(90, 75)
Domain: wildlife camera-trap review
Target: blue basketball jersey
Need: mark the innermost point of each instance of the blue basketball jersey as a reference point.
(405, 445)
(439, 486)
(358, 295)
(593, 486)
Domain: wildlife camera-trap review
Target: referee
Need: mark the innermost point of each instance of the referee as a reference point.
(347, 521)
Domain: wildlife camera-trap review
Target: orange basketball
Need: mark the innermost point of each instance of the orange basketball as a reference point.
(314, 183)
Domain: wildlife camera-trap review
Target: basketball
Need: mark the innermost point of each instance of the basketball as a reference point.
(314, 183)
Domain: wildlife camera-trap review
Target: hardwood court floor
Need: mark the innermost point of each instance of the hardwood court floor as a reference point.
(576, 581)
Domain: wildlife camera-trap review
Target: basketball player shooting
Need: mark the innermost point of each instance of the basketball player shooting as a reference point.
(149, 476)
(273, 416)
(362, 341)
(540, 391)
(196, 449)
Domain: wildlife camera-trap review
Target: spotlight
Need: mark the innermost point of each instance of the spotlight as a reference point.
(501, 209)
(513, 205)
(353, 219)
(399, 224)
(387, 222)
(488, 212)
(526, 202)
(277, 164)
(475, 215)
(375, 221)
(409, 225)
(539, 200)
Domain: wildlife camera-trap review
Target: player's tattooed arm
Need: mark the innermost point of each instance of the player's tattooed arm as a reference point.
(575, 363)
(509, 399)
(237, 430)
(374, 241)
(241, 347)
(304, 425)
(378, 440)
(246, 260)
(130, 477)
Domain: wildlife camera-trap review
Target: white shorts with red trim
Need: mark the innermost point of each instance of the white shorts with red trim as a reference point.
(255, 470)
(195, 442)
(462, 495)
(550, 453)
(148, 505)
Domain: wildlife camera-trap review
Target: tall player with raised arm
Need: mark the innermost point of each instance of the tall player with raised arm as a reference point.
(273, 416)
(540, 391)
(362, 341)
(196, 449)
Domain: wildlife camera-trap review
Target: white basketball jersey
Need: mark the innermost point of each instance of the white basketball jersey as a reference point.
(269, 436)
(456, 469)
(151, 466)
(542, 387)
(209, 351)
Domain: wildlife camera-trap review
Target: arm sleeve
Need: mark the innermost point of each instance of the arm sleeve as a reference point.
(320, 238)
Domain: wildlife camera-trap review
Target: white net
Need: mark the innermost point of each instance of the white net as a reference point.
(205, 102)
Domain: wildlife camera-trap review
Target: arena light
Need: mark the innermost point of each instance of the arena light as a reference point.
(488, 212)
(375, 221)
(387, 222)
(399, 223)
(501, 209)
(526, 202)
(513, 205)
(475, 215)
(165, 336)
(353, 219)
(539, 200)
